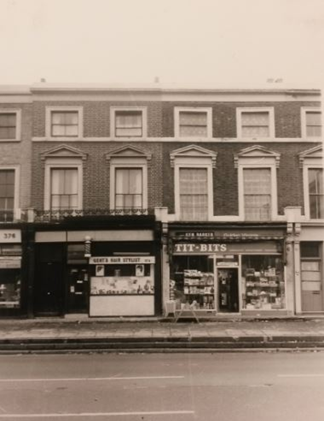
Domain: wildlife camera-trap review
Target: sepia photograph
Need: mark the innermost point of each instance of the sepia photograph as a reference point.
(161, 210)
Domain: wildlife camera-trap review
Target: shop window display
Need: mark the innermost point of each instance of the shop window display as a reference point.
(263, 283)
(9, 288)
(193, 285)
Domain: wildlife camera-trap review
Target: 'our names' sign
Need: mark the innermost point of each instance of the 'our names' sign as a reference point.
(121, 260)
(186, 248)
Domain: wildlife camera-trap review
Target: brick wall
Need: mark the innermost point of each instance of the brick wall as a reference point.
(96, 116)
(19, 152)
(225, 176)
(287, 116)
(96, 177)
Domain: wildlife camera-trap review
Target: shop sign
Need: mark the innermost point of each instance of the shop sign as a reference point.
(199, 248)
(10, 236)
(10, 262)
(121, 260)
(229, 235)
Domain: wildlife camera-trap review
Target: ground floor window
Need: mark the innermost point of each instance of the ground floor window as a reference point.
(263, 284)
(193, 282)
(10, 273)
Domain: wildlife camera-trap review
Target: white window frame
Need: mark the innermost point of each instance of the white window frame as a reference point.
(16, 169)
(48, 127)
(304, 111)
(241, 110)
(195, 163)
(128, 163)
(115, 109)
(18, 123)
(55, 163)
(306, 167)
(247, 163)
(207, 110)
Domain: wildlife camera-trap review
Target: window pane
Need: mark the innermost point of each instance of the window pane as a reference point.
(255, 124)
(315, 178)
(313, 118)
(255, 131)
(71, 118)
(193, 118)
(8, 120)
(64, 188)
(71, 130)
(7, 188)
(187, 131)
(257, 193)
(194, 207)
(193, 194)
(255, 118)
(193, 124)
(128, 123)
(128, 132)
(314, 131)
(128, 188)
(58, 131)
(257, 181)
(309, 249)
(57, 118)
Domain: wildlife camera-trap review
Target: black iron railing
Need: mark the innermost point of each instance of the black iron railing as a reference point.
(61, 214)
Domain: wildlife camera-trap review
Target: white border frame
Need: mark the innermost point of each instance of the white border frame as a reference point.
(119, 162)
(194, 163)
(18, 123)
(62, 108)
(247, 163)
(207, 110)
(307, 167)
(240, 110)
(304, 111)
(56, 163)
(16, 168)
(113, 110)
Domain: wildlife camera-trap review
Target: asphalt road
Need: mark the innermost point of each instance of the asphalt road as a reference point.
(159, 387)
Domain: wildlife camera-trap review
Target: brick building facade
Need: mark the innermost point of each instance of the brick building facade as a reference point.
(141, 201)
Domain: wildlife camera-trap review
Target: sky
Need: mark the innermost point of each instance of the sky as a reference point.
(221, 43)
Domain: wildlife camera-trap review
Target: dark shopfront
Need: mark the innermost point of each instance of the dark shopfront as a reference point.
(11, 272)
(69, 279)
(228, 271)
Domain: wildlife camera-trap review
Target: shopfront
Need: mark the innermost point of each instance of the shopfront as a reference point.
(97, 272)
(221, 273)
(10, 271)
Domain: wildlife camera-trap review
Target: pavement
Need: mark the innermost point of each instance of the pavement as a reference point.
(75, 334)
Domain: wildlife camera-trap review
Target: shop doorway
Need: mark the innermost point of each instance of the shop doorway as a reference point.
(78, 294)
(228, 293)
(49, 280)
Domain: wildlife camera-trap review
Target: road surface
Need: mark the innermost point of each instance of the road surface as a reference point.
(159, 387)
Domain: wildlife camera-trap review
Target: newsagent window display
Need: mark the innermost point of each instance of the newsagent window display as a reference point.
(193, 283)
(263, 285)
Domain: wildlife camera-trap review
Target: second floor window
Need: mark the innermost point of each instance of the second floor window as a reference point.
(129, 188)
(192, 124)
(193, 186)
(64, 188)
(8, 125)
(313, 123)
(255, 124)
(316, 193)
(128, 123)
(7, 195)
(64, 124)
(257, 194)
